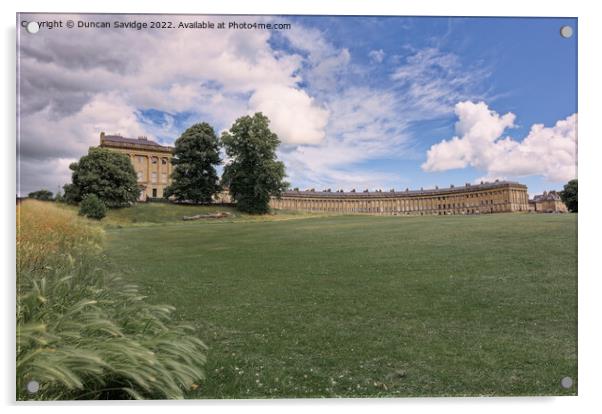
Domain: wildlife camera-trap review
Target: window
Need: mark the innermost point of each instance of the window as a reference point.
(163, 161)
(154, 160)
(154, 177)
(140, 158)
(163, 177)
(139, 174)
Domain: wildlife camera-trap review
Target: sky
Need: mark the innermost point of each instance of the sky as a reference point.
(357, 102)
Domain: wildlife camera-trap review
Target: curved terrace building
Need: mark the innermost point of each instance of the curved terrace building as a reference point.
(484, 198)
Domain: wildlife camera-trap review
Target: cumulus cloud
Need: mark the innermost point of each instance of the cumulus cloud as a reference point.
(302, 126)
(550, 152)
(76, 83)
(45, 137)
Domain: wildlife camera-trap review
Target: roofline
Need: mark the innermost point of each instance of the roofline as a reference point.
(106, 142)
(395, 194)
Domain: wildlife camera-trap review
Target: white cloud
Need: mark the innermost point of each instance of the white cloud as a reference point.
(325, 63)
(432, 81)
(304, 125)
(44, 136)
(550, 152)
(75, 84)
(367, 124)
(364, 125)
(377, 56)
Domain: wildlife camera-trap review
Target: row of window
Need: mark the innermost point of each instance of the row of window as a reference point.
(153, 177)
(472, 195)
(463, 205)
(154, 160)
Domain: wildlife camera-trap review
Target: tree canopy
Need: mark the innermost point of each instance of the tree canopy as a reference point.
(42, 194)
(569, 195)
(253, 173)
(108, 174)
(196, 155)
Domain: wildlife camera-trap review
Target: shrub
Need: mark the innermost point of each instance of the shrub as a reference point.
(82, 331)
(92, 207)
(43, 195)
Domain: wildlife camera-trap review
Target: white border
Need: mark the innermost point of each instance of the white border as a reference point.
(590, 134)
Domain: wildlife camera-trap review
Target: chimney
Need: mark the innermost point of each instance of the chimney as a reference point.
(102, 136)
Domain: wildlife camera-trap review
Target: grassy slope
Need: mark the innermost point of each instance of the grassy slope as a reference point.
(164, 213)
(368, 306)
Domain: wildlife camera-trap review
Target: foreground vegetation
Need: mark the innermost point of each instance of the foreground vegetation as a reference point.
(369, 306)
(82, 332)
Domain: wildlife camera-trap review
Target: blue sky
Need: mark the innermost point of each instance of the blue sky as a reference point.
(358, 102)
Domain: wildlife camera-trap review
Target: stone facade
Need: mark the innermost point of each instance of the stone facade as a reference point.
(151, 161)
(548, 202)
(484, 198)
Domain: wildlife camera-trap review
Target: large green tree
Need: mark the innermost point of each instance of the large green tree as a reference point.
(195, 157)
(569, 195)
(108, 174)
(253, 174)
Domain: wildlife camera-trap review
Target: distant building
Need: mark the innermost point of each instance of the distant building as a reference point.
(151, 161)
(548, 202)
(484, 198)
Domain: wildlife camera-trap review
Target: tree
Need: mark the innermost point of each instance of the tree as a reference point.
(42, 194)
(195, 156)
(569, 195)
(92, 207)
(107, 174)
(71, 194)
(254, 174)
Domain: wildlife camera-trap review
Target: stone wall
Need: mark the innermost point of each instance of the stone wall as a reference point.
(151, 163)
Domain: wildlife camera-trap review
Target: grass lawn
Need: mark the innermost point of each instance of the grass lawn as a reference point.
(368, 306)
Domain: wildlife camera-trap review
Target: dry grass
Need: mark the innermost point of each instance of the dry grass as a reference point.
(84, 333)
(47, 233)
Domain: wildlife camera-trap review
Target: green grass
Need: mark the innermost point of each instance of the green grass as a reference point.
(369, 306)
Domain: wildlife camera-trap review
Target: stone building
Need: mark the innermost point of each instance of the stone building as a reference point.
(548, 202)
(484, 198)
(151, 161)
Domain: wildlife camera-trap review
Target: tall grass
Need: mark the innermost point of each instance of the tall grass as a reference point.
(84, 333)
